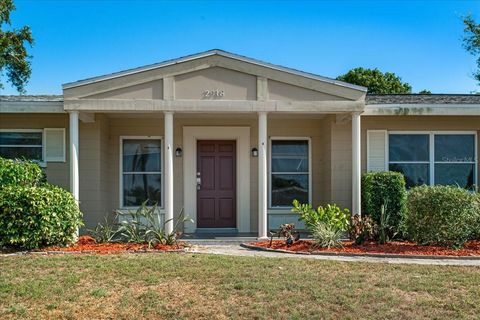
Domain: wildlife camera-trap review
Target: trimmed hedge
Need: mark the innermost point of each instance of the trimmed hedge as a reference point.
(33, 217)
(20, 173)
(441, 215)
(384, 188)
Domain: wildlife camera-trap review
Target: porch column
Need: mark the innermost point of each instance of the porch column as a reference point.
(356, 161)
(262, 175)
(169, 172)
(74, 173)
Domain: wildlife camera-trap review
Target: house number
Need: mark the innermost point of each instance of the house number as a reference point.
(213, 93)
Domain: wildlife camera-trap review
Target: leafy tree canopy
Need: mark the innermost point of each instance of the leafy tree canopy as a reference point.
(425, 91)
(14, 58)
(376, 81)
(471, 41)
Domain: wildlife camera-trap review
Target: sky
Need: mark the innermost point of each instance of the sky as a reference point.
(421, 41)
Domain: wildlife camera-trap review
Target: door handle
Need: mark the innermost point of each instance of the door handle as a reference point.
(199, 181)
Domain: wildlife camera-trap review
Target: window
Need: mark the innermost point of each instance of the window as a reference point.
(141, 171)
(409, 154)
(22, 144)
(290, 172)
(455, 159)
(434, 158)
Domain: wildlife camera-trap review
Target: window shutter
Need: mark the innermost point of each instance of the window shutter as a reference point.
(54, 144)
(377, 150)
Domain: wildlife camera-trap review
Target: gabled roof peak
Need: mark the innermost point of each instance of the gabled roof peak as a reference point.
(208, 53)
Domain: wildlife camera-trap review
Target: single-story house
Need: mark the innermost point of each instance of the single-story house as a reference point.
(234, 140)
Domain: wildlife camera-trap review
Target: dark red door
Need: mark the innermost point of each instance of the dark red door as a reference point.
(216, 184)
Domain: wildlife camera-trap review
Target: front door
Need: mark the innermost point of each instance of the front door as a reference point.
(216, 184)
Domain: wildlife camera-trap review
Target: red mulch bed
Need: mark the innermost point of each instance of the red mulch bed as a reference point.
(88, 244)
(472, 248)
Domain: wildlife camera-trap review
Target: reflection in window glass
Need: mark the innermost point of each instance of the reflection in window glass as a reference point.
(416, 174)
(286, 188)
(453, 160)
(142, 172)
(21, 145)
(290, 172)
(408, 147)
(455, 147)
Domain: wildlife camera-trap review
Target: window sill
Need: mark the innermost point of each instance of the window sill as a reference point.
(285, 210)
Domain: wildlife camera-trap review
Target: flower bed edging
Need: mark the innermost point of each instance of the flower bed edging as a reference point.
(370, 255)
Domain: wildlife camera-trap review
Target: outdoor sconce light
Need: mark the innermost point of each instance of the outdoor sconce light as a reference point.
(254, 152)
(178, 152)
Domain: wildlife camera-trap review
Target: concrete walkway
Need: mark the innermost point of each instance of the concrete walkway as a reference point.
(234, 249)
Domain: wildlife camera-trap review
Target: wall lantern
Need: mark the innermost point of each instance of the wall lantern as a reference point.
(178, 152)
(254, 152)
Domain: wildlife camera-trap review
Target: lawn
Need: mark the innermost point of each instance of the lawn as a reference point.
(178, 286)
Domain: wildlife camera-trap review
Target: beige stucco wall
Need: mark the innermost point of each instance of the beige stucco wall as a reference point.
(236, 85)
(148, 90)
(57, 172)
(99, 185)
(100, 149)
(284, 91)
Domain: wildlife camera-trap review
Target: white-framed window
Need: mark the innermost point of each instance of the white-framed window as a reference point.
(290, 171)
(25, 144)
(141, 171)
(435, 157)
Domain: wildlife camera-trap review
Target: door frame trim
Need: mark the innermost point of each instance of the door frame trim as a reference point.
(217, 166)
(242, 137)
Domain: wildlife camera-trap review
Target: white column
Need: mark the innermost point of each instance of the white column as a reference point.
(262, 175)
(356, 161)
(74, 173)
(169, 172)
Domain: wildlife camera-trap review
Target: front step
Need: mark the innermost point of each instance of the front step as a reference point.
(220, 241)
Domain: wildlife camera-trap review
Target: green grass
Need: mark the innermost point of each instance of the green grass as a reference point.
(183, 286)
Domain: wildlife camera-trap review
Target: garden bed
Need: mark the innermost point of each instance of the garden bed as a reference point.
(86, 244)
(471, 249)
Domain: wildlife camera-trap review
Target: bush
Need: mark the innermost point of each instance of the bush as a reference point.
(20, 173)
(327, 224)
(441, 215)
(363, 229)
(384, 189)
(142, 225)
(33, 217)
(331, 215)
(327, 236)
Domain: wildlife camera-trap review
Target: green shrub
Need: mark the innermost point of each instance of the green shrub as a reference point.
(327, 236)
(441, 215)
(363, 229)
(331, 215)
(33, 217)
(384, 189)
(327, 224)
(142, 225)
(20, 173)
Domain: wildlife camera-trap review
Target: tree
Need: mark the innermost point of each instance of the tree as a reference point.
(471, 41)
(376, 81)
(14, 58)
(425, 91)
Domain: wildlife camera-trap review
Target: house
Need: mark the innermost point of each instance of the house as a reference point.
(234, 140)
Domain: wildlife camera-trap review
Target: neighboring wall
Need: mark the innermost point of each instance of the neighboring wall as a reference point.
(57, 172)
